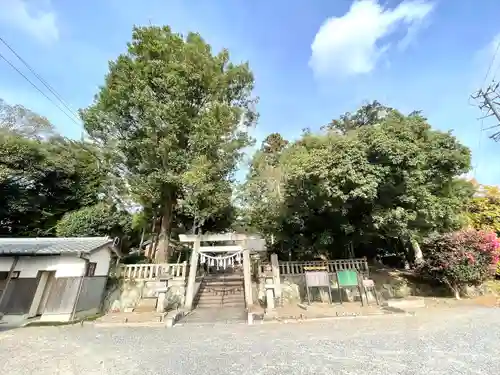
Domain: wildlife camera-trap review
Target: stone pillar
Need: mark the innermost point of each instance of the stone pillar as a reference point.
(193, 267)
(270, 296)
(160, 304)
(276, 276)
(247, 277)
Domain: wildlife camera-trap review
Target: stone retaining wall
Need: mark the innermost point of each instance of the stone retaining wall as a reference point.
(389, 284)
(128, 293)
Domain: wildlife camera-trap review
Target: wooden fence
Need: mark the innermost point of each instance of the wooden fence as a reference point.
(297, 267)
(62, 295)
(18, 296)
(91, 293)
(153, 271)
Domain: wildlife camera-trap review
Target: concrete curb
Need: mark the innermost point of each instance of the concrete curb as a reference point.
(259, 322)
(168, 321)
(404, 304)
(50, 324)
(131, 325)
(330, 318)
(172, 319)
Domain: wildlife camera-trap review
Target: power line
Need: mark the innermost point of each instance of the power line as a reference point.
(489, 100)
(492, 62)
(488, 103)
(479, 143)
(40, 78)
(36, 87)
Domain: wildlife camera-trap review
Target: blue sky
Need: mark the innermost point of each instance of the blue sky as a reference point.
(312, 60)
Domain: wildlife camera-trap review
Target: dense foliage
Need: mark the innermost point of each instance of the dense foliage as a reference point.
(484, 209)
(466, 257)
(373, 182)
(42, 177)
(173, 116)
(98, 220)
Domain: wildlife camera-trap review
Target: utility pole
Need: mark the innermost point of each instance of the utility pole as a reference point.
(489, 100)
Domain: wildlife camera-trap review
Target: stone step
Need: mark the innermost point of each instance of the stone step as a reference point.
(146, 305)
(220, 305)
(221, 293)
(240, 297)
(217, 277)
(233, 300)
(214, 297)
(221, 290)
(134, 317)
(221, 285)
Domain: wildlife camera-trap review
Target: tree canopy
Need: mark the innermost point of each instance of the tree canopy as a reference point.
(483, 211)
(24, 122)
(42, 179)
(368, 181)
(97, 220)
(173, 116)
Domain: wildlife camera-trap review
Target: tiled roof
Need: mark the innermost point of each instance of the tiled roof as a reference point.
(51, 246)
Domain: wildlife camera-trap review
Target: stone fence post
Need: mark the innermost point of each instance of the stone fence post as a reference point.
(276, 277)
(247, 277)
(193, 266)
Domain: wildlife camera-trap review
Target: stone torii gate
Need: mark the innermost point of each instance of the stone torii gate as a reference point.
(244, 244)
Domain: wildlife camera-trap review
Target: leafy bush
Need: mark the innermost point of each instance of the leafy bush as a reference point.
(466, 257)
(98, 220)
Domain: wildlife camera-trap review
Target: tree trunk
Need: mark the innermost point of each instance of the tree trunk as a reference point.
(164, 238)
(154, 244)
(195, 225)
(150, 252)
(454, 288)
(417, 252)
(143, 234)
(456, 291)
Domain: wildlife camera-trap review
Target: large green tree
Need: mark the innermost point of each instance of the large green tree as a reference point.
(261, 196)
(173, 116)
(42, 177)
(373, 180)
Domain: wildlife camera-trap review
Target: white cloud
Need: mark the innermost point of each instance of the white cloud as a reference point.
(29, 17)
(351, 44)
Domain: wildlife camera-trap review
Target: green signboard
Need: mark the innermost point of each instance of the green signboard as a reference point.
(347, 278)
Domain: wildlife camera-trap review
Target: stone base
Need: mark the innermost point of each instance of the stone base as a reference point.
(173, 317)
(250, 318)
(405, 304)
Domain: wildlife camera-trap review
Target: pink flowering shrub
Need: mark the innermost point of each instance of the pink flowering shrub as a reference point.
(466, 257)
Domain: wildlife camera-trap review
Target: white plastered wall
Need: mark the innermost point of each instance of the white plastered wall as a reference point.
(102, 257)
(65, 266)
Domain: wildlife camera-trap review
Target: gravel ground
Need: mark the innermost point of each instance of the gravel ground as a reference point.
(456, 342)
